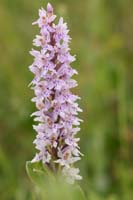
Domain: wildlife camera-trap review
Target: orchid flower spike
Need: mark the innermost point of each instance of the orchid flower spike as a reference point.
(57, 109)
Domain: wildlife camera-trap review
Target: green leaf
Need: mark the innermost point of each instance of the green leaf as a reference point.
(50, 185)
(35, 171)
(79, 194)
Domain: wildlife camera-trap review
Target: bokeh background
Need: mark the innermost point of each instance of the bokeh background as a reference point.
(102, 32)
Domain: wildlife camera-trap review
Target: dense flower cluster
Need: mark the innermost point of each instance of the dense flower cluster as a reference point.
(57, 108)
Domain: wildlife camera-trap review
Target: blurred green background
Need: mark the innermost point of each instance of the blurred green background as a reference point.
(102, 32)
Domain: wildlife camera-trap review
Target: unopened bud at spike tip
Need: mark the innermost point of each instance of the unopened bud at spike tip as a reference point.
(49, 8)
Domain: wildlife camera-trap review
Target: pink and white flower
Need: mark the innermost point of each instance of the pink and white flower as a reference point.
(57, 109)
